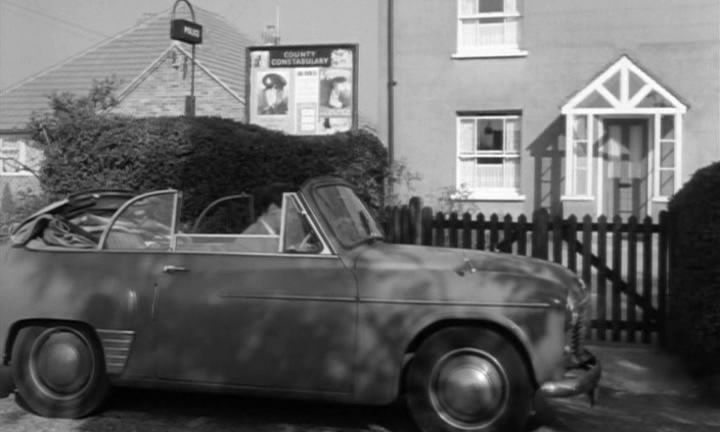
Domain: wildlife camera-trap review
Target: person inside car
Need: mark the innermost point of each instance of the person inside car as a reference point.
(268, 200)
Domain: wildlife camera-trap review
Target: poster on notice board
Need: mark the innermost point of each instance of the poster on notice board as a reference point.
(303, 90)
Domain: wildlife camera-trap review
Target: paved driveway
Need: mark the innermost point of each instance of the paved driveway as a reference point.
(642, 391)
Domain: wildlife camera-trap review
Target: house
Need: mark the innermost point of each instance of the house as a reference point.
(153, 74)
(581, 107)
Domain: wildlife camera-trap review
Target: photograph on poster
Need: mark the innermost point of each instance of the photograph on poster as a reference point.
(273, 93)
(336, 88)
(260, 59)
(341, 58)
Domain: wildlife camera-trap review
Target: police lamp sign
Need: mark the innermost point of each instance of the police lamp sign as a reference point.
(303, 90)
(186, 31)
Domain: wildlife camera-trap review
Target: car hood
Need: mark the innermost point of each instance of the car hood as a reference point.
(408, 272)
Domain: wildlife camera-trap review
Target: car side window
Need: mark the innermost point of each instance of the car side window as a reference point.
(144, 224)
(229, 215)
(278, 229)
(298, 235)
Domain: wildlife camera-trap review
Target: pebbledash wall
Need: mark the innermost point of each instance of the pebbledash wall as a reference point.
(563, 46)
(161, 91)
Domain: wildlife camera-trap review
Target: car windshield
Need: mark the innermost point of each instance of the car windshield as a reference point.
(347, 216)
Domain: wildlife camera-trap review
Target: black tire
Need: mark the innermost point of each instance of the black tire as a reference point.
(442, 395)
(52, 389)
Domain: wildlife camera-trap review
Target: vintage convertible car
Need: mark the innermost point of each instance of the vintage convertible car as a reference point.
(106, 288)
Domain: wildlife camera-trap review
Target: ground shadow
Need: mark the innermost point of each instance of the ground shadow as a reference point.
(200, 411)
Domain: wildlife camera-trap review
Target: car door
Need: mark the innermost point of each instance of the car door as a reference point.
(135, 246)
(233, 312)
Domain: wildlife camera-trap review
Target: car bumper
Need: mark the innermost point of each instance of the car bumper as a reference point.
(582, 376)
(6, 383)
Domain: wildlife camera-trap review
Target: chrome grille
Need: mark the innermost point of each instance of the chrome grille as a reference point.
(116, 344)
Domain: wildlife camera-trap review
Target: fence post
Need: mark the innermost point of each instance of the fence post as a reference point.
(631, 313)
(647, 278)
(405, 225)
(494, 232)
(616, 300)
(601, 291)
(453, 232)
(416, 207)
(480, 236)
(507, 240)
(522, 235)
(587, 242)
(664, 275)
(426, 226)
(572, 243)
(439, 229)
(467, 231)
(540, 238)
(395, 228)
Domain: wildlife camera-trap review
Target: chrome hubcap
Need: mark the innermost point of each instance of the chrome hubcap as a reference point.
(61, 363)
(468, 388)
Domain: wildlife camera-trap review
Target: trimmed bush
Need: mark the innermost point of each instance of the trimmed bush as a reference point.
(206, 158)
(694, 300)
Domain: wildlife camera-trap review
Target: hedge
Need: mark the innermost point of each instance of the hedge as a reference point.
(694, 301)
(206, 158)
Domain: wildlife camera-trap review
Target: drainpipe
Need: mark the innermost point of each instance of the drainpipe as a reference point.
(390, 85)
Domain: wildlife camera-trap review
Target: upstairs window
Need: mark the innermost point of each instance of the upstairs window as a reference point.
(489, 155)
(488, 27)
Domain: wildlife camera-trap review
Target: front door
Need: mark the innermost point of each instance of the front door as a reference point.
(625, 160)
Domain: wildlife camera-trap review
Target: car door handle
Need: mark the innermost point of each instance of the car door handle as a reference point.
(175, 269)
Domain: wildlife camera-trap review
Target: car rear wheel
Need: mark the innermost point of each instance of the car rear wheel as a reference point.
(59, 371)
(468, 379)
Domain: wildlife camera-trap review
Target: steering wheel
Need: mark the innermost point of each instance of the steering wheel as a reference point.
(309, 243)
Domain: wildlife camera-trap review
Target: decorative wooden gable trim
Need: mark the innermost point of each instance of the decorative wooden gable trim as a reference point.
(624, 87)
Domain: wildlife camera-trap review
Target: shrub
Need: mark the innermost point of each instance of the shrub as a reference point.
(694, 300)
(206, 158)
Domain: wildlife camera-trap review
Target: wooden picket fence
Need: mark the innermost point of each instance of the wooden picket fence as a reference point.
(623, 262)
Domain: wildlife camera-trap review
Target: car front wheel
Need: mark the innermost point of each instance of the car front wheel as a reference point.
(468, 379)
(59, 371)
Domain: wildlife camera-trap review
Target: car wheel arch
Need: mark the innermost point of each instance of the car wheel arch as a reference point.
(436, 326)
(41, 322)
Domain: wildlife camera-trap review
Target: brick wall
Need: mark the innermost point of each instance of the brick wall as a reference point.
(162, 91)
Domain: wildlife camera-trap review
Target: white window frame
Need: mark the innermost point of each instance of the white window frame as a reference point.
(511, 14)
(659, 169)
(572, 190)
(22, 158)
(470, 192)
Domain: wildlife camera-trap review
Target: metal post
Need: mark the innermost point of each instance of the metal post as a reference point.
(192, 36)
(191, 110)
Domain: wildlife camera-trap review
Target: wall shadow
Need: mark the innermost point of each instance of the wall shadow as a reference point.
(548, 158)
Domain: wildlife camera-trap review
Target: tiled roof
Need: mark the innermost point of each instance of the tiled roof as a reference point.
(126, 56)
